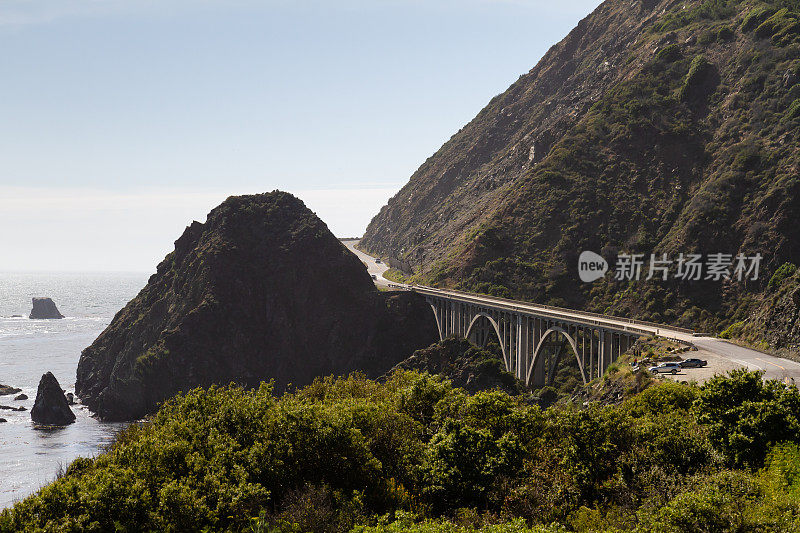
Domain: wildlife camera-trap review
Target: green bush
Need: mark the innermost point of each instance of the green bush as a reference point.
(695, 79)
(784, 272)
(416, 454)
(746, 416)
(734, 331)
(756, 16)
(669, 53)
(794, 110)
(725, 33)
(781, 26)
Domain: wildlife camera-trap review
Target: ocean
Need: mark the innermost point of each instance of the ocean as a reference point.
(29, 457)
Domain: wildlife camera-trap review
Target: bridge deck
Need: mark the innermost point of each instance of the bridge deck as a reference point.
(580, 318)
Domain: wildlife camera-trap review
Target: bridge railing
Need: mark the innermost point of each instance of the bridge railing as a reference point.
(552, 308)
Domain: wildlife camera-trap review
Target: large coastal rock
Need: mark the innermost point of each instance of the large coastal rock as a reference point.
(45, 308)
(51, 406)
(261, 291)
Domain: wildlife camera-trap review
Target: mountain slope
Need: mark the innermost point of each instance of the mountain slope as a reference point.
(261, 291)
(653, 127)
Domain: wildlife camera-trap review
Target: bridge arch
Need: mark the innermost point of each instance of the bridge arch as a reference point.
(496, 327)
(551, 331)
(438, 320)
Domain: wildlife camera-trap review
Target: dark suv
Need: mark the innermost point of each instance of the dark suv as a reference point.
(693, 363)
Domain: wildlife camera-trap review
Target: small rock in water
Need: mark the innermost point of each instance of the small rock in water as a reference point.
(21, 397)
(44, 308)
(51, 407)
(3, 420)
(10, 408)
(70, 398)
(5, 389)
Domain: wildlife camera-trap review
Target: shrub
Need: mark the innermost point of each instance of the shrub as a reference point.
(669, 53)
(725, 33)
(746, 416)
(733, 331)
(794, 110)
(784, 272)
(340, 453)
(781, 26)
(756, 16)
(693, 83)
(660, 399)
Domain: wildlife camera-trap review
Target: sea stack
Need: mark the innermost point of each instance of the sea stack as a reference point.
(51, 407)
(44, 308)
(261, 291)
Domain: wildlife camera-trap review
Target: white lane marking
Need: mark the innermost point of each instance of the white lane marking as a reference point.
(746, 364)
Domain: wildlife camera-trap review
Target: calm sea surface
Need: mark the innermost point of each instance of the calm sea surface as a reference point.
(30, 458)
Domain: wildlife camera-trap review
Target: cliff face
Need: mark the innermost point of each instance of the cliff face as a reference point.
(261, 291)
(653, 127)
(774, 324)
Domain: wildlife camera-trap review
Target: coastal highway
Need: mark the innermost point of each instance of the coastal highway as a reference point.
(373, 267)
(720, 354)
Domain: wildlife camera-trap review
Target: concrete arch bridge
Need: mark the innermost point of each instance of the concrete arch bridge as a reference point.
(524, 332)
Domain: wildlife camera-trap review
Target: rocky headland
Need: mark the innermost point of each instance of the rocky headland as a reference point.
(261, 291)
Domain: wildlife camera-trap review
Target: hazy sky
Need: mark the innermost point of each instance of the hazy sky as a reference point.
(121, 121)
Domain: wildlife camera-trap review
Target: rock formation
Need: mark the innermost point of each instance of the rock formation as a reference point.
(51, 406)
(21, 397)
(466, 366)
(261, 291)
(44, 308)
(6, 389)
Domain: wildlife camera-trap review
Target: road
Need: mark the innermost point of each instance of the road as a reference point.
(773, 367)
(373, 267)
(721, 355)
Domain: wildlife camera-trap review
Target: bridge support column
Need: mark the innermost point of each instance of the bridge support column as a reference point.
(608, 353)
(537, 376)
(522, 347)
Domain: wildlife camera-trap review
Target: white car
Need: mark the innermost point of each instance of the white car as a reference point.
(666, 368)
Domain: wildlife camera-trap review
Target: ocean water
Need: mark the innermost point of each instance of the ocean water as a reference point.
(31, 457)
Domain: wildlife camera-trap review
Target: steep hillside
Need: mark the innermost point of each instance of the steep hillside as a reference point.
(653, 127)
(261, 291)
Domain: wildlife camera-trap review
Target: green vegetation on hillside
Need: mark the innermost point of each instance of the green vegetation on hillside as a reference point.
(417, 454)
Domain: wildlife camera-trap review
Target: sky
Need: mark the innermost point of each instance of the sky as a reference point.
(121, 121)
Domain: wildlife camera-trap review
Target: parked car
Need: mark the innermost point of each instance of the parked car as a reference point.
(378, 261)
(374, 276)
(693, 363)
(666, 368)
